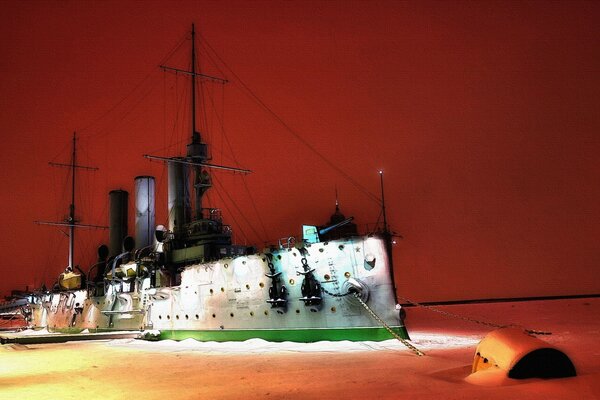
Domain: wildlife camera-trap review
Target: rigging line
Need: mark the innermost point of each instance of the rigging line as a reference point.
(234, 203)
(164, 135)
(166, 148)
(184, 37)
(238, 226)
(249, 193)
(224, 135)
(160, 183)
(179, 100)
(123, 115)
(293, 132)
(203, 94)
(83, 131)
(62, 151)
(128, 112)
(254, 207)
(203, 43)
(223, 119)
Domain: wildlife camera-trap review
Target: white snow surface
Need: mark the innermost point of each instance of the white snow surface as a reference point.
(256, 369)
(421, 340)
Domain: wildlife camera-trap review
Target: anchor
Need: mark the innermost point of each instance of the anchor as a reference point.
(277, 291)
(311, 288)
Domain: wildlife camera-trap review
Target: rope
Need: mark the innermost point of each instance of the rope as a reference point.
(476, 321)
(289, 129)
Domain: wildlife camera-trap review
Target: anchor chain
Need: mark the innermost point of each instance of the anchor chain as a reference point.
(476, 321)
(335, 294)
(387, 327)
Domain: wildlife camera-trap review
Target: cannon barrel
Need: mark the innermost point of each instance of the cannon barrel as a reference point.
(323, 231)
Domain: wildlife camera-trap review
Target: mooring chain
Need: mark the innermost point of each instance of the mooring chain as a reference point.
(387, 327)
(335, 294)
(486, 323)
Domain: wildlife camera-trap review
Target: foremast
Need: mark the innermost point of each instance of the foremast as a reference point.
(388, 238)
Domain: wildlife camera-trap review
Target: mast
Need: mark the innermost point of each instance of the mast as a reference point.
(387, 237)
(385, 225)
(195, 160)
(70, 221)
(193, 80)
(199, 155)
(72, 206)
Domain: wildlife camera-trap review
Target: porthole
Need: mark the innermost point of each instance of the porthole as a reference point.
(244, 262)
(261, 285)
(297, 311)
(321, 250)
(187, 316)
(252, 313)
(197, 317)
(266, 312)
(168, 317)
(231, 315)
(223, 289)
(292, 281)
(327, 277)
(214, 315)
(211, 291)
(247, 286)
(279, 256)
(333, 309)
(341, 247)
(177, 317)
(226, 265)
(347, 274)
(160, 317)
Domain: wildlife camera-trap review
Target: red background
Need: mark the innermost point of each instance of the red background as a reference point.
(484, 116)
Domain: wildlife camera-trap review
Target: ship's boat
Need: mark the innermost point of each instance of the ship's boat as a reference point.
(189, 280)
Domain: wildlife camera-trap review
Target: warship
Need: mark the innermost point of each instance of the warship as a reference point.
(190, 280)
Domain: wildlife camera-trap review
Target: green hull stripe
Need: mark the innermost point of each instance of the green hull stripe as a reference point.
(287, 335)
(302, 335)
(74, 331)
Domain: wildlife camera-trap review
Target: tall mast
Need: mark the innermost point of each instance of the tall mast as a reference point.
(196, 155)
(199, 153)
(385, 225)
(193, 81)
(387, 237)
(71, 219)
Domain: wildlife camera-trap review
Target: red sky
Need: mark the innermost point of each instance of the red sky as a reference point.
(484, 116)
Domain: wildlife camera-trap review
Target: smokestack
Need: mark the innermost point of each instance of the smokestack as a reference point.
(144, 211)
(117, 230)
(179, 196)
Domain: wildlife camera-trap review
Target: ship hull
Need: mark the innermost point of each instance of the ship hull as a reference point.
(230, 299)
